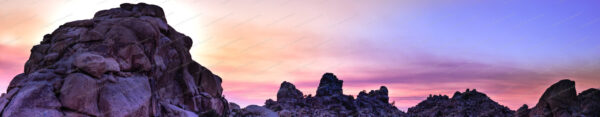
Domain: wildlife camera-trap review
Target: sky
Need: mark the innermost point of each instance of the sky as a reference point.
(512, 50)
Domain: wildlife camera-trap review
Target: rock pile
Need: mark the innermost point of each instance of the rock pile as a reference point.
(466, 104)
(561, 100)
(125, 61)
(330, 101)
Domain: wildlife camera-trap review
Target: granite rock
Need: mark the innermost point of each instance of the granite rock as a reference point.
(125, 61)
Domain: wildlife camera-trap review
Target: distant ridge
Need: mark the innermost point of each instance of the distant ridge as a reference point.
(328, 101)
(559, 100)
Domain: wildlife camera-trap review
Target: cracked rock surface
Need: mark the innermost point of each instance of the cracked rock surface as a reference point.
(125, 61)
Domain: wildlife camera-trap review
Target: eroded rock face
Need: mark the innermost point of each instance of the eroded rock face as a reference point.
(331, 102)
(125, 61)
(466, 104)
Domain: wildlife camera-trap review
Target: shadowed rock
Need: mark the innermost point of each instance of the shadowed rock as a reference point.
(331, 102)
(523, 111)
(466, 104)
(288, 92)
(329, 85)
(255, 111)
(557, 100)
(561, 100)
(125, 61)
(590, 102)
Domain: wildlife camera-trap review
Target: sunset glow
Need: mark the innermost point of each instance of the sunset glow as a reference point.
(510, 50)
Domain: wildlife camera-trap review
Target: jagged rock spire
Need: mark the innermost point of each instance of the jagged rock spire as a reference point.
(329, 85)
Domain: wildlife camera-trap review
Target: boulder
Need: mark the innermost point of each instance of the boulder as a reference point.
(174, 111)
(257, 111)
(126, 97)
(560, 99)
(34, 100)
(590, 102)
(329, 85)
(79, 92)
(92, 64)
(288, 92)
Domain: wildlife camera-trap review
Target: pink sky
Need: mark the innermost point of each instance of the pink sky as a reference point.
(256, 45)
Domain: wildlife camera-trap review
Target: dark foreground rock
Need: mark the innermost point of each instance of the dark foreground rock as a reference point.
(125, 61)
(466, 104)
(330, 101)
(561, 100)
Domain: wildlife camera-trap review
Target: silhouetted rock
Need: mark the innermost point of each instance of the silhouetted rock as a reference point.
(523, 111)
(466, 104)
(561, 100)
(125, 61)
(381, 95)
(331, 102)
(329, 85)
(590, 102)
(288, 92)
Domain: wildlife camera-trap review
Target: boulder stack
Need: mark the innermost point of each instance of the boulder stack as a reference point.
(330, 101)
(125, 61)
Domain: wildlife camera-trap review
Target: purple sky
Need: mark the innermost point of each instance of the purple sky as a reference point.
(511, 50)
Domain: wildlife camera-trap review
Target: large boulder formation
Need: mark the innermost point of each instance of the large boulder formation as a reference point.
(561, 100)
(331, 102)
(466, 104)
(125, 61)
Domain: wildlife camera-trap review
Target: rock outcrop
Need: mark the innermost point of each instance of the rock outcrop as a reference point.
(329, 86)
(288, 93)
(466, 104)
(561, 100)
(125, 61)
(523, 111)
(330, 101)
